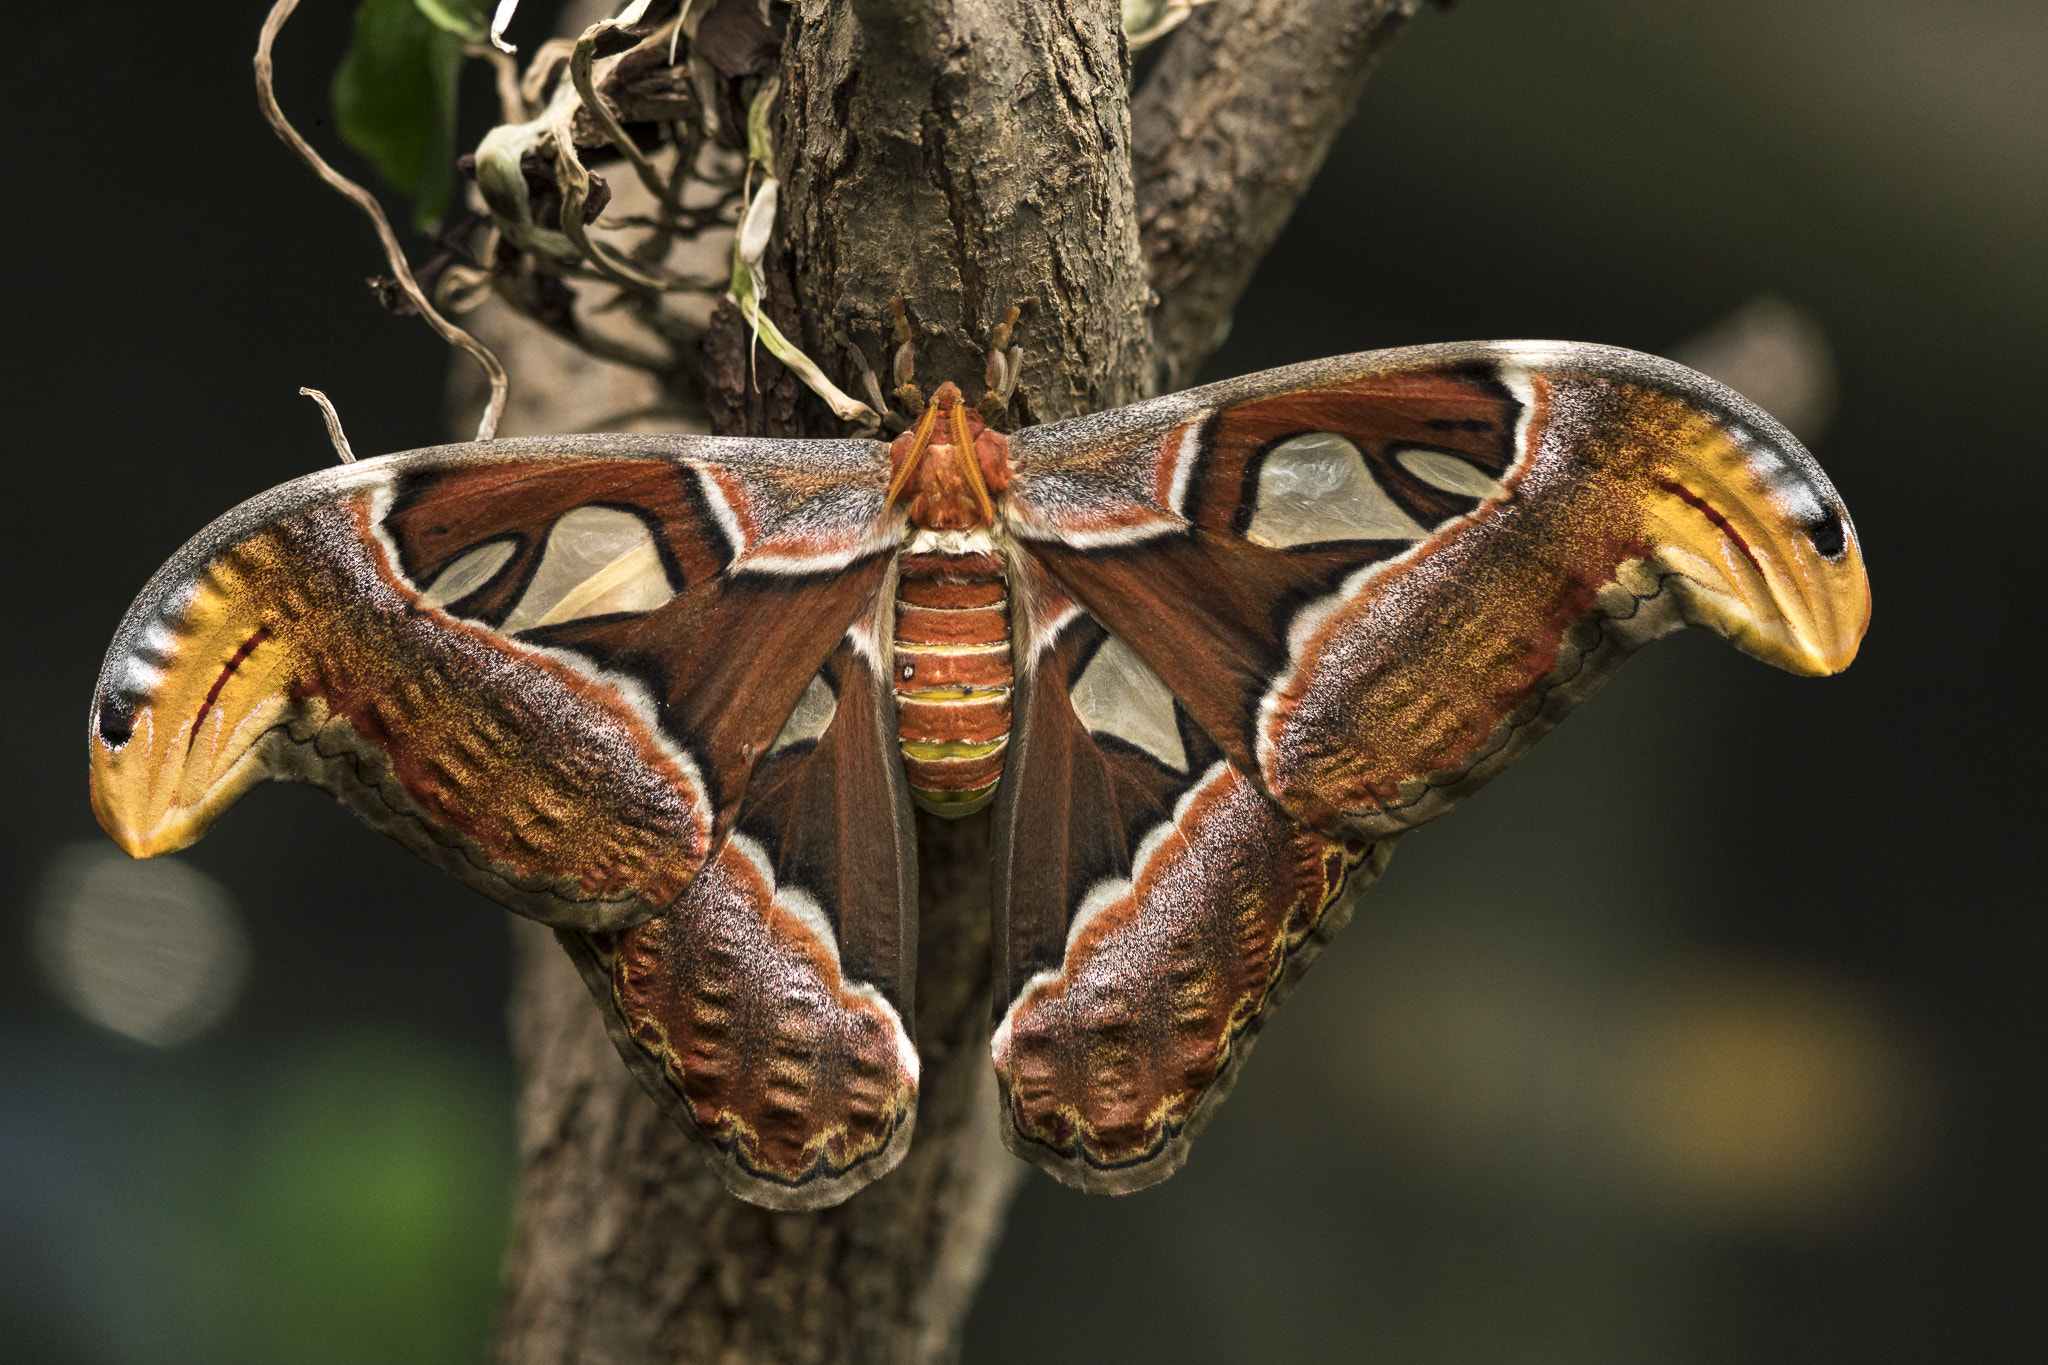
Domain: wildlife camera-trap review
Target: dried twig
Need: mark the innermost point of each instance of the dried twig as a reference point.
(511, 102)
(334, 431)
(580, 63)
(367, 202)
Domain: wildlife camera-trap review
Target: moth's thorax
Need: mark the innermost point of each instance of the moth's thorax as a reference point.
(950, 467)
(950, 668)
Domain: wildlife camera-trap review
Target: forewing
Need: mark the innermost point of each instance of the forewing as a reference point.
(766, 1009)
(1152, 906)
(1373, 581)
(547, 666)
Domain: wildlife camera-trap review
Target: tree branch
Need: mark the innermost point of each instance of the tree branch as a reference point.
(968, 155)
(1226, 135)
(965, 155)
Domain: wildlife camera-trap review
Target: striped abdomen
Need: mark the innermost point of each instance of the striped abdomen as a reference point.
(952, 678)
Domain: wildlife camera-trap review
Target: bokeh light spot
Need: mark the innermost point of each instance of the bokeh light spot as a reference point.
(1776, 356)
(1757, 1095)
(1725, 1094)
(154, 951)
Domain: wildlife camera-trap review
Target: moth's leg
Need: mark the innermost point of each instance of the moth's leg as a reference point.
(1004, 362)
(907, 393)
(871, 385)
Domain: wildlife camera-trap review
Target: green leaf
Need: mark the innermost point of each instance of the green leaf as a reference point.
(394, 96)
(459, 17)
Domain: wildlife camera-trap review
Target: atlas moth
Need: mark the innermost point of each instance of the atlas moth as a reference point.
(1205, 658)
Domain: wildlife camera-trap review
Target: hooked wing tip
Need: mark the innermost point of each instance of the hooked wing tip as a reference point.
(152, 797)
(1729, 501)
(191, 686)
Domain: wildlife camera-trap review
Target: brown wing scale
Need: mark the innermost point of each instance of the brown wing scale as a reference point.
(1522, 516)
(579, 770)
(766, 1009)
(1365, 585)
(640, 688)
(1152, 907)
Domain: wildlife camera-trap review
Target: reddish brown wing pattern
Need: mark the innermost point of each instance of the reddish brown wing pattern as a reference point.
(514, 661)
(1153, 906)
(766, 1009)
(1153, 903)
(1202, 587)
(1369, 583)
(557, 673)
(1375, 580)
(639, 688)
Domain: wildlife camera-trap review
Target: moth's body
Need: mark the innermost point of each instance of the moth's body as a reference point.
(951, 668)
(952, 677)
(1210, 656)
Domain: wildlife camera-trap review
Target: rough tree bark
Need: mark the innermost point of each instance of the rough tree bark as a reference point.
(1227, 134)
(965, 155)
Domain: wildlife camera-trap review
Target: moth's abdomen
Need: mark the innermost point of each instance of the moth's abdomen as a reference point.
(952, 678)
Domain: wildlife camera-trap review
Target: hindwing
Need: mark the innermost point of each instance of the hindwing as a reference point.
(1152, 904)
(768, 1007)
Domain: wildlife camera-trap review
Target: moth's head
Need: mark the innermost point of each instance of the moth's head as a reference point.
(950, 466)
(1760, 545)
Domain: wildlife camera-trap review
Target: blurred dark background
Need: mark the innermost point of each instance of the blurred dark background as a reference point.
(1711, 1033)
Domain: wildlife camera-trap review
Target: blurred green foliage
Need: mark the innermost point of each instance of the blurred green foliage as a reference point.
(373, 1209)
(354, 1213)
(394, 94)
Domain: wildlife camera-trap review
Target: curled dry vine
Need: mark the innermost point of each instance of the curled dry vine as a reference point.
(637, 88)
(267, 96)
(677, 90)
(681, 91)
